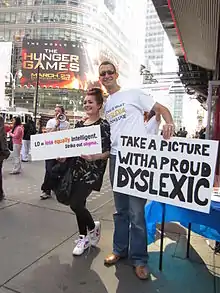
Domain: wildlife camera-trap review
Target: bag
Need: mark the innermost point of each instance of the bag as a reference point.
(10, 144)
(63, 186)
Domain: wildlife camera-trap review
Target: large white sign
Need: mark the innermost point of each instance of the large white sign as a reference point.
(5, 68)
(178, 171)
(66, 143)
(5, 57)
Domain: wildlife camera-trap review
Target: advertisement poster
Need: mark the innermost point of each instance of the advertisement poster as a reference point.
(63, 64)
(66, 143)
(177, 171)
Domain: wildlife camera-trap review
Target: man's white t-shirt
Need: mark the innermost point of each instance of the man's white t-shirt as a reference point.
(64, 125)
(124, 111)
(152, 126)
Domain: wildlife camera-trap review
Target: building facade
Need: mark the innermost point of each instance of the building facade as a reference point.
(160, 59)
(94, 23)
(154, 38)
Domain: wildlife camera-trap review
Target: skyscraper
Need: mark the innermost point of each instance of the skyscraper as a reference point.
(93, 23)
(154, 38)
(160, 58)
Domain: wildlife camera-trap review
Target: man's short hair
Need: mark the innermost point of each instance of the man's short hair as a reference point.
(108, 63)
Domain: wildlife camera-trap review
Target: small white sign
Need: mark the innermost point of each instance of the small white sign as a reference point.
(66, 143)
(178, 171)
(216, 194)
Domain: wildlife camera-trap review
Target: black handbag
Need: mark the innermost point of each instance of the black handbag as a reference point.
(10, 144)
(62, 175)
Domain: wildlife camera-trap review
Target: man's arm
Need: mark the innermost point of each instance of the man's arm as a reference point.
(51, 128)
(168, 128)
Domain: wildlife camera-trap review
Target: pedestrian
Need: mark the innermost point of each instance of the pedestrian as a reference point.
(88, 172)
(202, 133)
(4, 153)
(124, 111)
(54, 124)
(17, 133)
(29, 129)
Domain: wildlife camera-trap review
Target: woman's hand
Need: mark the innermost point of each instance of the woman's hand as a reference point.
(61, 160)
(91, 158)
(168, 131)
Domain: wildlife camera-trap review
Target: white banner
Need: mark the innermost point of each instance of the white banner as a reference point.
(66, 143)
(178, 171)
(5, 57)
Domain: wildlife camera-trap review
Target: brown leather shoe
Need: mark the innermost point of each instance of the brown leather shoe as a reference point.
(111, 259)
(142, 272)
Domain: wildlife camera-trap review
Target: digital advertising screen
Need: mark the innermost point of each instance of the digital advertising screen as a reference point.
(62, 64)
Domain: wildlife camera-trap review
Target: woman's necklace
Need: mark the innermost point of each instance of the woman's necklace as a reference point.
(89, 122)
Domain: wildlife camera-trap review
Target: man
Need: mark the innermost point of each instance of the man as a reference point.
(184, 134)
(29, 129)
(4, 153)
(53, 124)
(124, 111)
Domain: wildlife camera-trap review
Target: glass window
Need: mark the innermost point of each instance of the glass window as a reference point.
(2, 35)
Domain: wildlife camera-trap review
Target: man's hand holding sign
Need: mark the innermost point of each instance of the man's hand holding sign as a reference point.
(176, 171)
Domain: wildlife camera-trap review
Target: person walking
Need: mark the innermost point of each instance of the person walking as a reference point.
(88, 172)
(54, 124)
(29, 129)
(124, 112)
(4, 153)
(17, 133)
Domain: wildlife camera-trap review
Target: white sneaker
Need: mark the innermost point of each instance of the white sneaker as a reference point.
(95, 234)
(44, 195)
(82, 243)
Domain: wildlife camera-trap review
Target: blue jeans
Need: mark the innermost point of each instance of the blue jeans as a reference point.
(130, 235)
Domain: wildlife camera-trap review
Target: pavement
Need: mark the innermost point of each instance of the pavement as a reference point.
(36, 242)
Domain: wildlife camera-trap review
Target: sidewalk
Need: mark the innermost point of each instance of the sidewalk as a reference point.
(36, 241)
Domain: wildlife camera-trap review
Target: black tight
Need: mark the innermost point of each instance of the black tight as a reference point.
(78, 206)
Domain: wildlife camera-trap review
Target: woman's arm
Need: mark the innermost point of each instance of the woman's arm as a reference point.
(17, 134)
(91, 158)
(106, 144)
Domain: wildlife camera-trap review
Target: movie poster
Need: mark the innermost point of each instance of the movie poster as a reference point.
(63, 64)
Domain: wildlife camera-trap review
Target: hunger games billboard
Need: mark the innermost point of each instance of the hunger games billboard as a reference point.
(62, 64)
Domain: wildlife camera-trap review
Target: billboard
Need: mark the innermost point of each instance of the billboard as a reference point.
(5, 57)
(63, 64)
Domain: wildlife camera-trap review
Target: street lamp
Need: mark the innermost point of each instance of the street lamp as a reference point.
(13, 79)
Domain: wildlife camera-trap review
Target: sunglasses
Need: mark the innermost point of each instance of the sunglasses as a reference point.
(109, 72)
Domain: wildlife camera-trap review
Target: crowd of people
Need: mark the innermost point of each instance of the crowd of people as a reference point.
(123, 113)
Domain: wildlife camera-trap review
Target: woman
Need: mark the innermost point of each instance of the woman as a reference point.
(88, 172)
(29, 129)
(4, 153)
(17, 133)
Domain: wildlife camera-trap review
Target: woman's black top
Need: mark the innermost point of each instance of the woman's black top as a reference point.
(91, 173)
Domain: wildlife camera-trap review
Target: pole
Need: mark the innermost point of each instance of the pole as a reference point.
(162, 237)
(209, 103)
(13, 94)
(36, 96)
(188, 240)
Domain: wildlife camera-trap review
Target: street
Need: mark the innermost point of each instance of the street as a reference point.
(36, 242)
